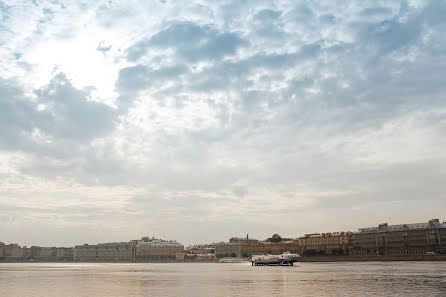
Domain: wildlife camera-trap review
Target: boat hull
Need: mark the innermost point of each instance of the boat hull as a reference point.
(273, 263)
(285, 259)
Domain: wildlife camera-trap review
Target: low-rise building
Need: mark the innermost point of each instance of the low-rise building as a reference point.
(14, 252)
(104, 252)
(152, 249)
(404, 239)
(52, 253)
(201, 249)
(332, 243)
(224, 249)
(262, 248)
(205, 257)
(115, 251)
(243, 240)
(2, 250)
(186, 257)
(85, 252)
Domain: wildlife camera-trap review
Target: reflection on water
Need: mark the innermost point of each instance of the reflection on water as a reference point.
(303, 279)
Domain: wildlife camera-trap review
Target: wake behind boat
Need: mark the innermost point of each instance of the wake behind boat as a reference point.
(283, 259)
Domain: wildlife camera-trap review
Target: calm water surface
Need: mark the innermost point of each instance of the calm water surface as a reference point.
(303, 279)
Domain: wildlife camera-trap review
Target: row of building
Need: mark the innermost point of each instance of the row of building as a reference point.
(405, 239)
(146, 249)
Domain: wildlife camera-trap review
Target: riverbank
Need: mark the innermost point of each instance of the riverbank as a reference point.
(302, 259)
(373, 258)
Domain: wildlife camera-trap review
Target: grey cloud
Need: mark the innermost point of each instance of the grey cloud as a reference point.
(396, 183)
(240, 191)
(139, 77)
(68, 120)
(103, 48)
(222, 75)
(376, 11)
(327, 18)
(300, 14)
(295, 115)
(73, 115)
(18, 115)
(268, 26)
(267, 15)
(191, 42)
(390, 35)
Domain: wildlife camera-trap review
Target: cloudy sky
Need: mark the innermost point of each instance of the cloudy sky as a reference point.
(198, 121)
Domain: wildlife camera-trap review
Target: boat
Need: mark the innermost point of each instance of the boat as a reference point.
(284, 259)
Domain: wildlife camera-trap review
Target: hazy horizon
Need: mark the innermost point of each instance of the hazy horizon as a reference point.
(198, 121)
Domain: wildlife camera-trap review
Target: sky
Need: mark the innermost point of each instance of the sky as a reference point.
(202, 120)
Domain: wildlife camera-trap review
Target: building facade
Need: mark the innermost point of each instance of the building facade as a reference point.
(52, 254)
(243, 240)
(14, 252)
(405, 239)
(2, 251)
(151, 249)
(333, 244)
(85, 252)
(115, 251)
(224, 249)
(104, 252)
(262, 248)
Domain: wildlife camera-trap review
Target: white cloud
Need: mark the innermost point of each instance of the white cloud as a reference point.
(227, 118)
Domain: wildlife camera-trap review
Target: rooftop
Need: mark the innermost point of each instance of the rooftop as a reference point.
(434, 223)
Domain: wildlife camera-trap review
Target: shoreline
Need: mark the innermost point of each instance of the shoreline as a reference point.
(373, 258)
(315, 259)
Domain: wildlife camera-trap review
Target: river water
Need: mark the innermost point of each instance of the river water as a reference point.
(213, 279)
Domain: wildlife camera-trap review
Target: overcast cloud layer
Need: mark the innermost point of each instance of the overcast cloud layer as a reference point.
(198, 121)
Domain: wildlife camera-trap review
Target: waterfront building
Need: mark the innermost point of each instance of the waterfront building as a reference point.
(186, 257)
(85, 252)
(263, 248)
(225, 249)
(181, 256)
(52, 253)
(2, 250)
(115, 251)
(404, 239)
(152, 249)
(205, 257)
(332, 243)
(242, 240)
(14, 252)
(104, 252)
(200, 249)
(238, 247)
(277, 238)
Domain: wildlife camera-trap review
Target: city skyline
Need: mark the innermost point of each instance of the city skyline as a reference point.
(412, 241)
(199, 121)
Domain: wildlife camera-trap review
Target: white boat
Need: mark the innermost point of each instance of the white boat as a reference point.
(284, 259)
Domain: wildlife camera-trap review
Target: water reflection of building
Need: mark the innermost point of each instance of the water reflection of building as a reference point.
(405, 239)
